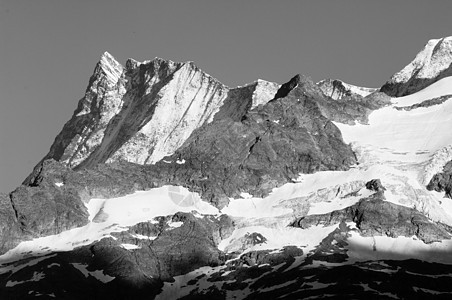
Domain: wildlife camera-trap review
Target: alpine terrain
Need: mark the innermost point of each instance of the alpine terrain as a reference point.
(168, 184)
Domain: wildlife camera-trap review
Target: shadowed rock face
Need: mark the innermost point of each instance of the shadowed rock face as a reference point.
(167, 252)
(407, 279)
(103, 270)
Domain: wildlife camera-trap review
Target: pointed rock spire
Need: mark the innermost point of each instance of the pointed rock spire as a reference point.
(109, 67)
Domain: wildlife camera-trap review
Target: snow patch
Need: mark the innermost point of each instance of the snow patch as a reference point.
(98, 274)
(143, 237)
(130, 246)
(36, 277)
(175, 224)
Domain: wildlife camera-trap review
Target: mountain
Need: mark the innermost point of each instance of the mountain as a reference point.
(144, 111)
(433, 63)
(167, 184)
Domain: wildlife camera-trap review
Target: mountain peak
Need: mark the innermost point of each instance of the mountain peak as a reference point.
(109, 67)
(106, 59)
(431, 64)
(107, 55)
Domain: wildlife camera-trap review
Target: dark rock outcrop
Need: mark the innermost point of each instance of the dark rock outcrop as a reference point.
(375, 185)
(442, 182)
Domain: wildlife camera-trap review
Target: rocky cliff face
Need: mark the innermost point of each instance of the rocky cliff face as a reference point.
(145, 111)
(430, 65)
(137, 113)
(102, 101)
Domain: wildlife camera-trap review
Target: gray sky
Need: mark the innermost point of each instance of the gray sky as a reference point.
(48, 50)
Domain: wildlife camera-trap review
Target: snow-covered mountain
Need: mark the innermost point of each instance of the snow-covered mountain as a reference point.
(167, 184)
(430, 65)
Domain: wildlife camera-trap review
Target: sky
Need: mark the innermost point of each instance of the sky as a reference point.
(49, 48)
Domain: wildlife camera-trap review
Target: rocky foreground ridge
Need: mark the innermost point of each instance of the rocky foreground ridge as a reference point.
(266, 197)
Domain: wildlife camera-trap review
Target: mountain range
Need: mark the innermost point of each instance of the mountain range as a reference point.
(167, 184)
